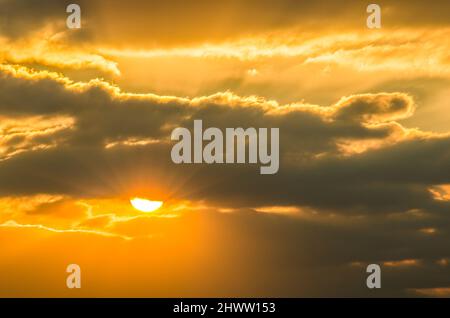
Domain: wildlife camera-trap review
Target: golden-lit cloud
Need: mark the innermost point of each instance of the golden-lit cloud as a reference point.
(432, 292)
(428, 231)
(441, 192)
(145, 205)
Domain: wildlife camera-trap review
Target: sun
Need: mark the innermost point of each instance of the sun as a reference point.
(145, 205)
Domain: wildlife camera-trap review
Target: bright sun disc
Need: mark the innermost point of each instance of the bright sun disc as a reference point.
(144, 205)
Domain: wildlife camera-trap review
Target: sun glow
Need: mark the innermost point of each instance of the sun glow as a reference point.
(145, 205)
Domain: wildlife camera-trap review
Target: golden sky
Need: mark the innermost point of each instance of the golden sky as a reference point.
(85, 123)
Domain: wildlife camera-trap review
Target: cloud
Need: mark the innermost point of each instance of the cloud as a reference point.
(347, 203)
(311, 257)
(13, 224)
(31, 133)
(361, 180)
(375, 108)
(203, 20)
(312, 168)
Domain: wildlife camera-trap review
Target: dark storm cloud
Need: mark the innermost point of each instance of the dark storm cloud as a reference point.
(313, 171)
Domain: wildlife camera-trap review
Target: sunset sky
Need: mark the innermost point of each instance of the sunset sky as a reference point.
(85, 122)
